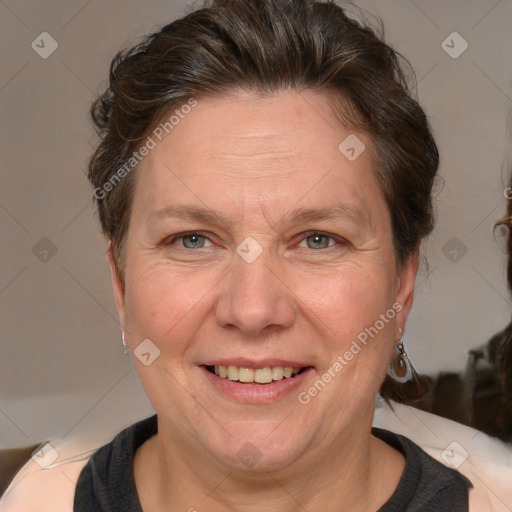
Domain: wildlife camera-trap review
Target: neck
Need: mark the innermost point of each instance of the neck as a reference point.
(354, 469)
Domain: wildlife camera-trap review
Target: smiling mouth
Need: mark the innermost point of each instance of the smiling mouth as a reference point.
(264, 375)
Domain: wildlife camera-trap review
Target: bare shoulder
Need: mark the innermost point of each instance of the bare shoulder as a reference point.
(42, 490)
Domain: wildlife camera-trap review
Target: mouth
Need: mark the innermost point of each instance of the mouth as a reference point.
(257, 382)
(248, 375)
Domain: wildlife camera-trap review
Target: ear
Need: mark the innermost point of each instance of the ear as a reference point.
(117, 285)
(405, 288)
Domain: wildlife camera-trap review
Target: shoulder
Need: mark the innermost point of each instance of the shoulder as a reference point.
(53, 489)
(425, 484)
(107, 482)
(42, 490)
(486, 462)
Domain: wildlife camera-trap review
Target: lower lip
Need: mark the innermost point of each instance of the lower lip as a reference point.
(253, 393)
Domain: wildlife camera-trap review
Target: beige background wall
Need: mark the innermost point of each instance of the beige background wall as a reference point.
(62, 367)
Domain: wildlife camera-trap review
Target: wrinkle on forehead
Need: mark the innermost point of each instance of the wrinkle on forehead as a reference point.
(278, 157)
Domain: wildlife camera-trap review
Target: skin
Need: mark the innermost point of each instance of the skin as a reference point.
(253, 160)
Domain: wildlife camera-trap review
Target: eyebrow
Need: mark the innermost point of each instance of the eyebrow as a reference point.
(193, 212)
(337, 212)
(203, 214)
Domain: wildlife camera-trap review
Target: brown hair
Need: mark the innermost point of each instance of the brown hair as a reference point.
(500, 345)
(505, 223)
(265, 46)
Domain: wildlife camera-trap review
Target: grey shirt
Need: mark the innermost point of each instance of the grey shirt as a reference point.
(106, 483)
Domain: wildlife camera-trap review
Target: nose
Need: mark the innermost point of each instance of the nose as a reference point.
(255, 299)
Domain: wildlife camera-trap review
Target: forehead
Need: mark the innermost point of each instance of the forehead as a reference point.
(241, 125)
(256, 151)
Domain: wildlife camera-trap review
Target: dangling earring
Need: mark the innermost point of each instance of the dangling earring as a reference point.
(126, 349)
(400, 368)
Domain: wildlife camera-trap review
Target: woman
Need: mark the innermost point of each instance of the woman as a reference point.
(264, 181)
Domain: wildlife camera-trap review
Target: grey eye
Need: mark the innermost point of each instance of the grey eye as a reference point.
(193, 241)
(317, 241)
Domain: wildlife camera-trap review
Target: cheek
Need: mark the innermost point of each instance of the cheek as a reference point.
(170, 305)
(162, 304)
(347, 300)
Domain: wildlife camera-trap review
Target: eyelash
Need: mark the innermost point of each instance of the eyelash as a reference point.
(303, 236)
(338, 240)
(173, 239)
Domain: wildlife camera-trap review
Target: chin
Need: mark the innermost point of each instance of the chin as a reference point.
(259, 446)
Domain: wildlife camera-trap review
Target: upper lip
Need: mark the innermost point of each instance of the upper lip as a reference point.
(251, 363)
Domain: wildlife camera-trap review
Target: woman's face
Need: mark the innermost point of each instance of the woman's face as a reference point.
(290, 260)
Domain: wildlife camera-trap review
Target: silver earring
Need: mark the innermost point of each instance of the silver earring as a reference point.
(126, 349)
(400, 368)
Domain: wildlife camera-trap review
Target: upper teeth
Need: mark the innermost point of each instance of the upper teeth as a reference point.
(259, 375)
